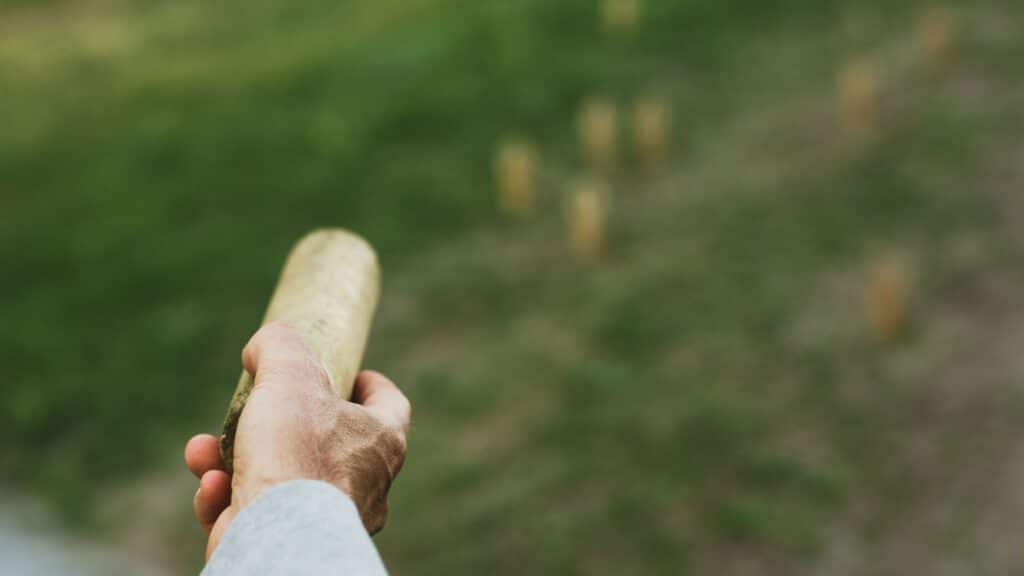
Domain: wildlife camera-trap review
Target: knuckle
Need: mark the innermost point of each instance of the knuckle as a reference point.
(296, 370)
(402, 446)
(380, 518)
(394, 441)
(312, 369)
(394, 447)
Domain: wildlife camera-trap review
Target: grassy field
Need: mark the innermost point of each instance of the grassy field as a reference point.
(708, 400)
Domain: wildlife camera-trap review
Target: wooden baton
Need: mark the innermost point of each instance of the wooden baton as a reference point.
(327, 291)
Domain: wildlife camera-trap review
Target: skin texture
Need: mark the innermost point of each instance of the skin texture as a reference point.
(295, 427)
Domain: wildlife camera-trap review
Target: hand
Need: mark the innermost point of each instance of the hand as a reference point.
(293, 427)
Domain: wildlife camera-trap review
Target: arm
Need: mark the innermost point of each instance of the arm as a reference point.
(293, 430)
(300, 527)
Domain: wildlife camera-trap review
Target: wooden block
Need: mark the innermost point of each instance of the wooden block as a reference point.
(587, 218)
(514, 173)
(651, 128)
(621, 17)
(887, 299)
(858, 96)
(598, 133)
(937, 35)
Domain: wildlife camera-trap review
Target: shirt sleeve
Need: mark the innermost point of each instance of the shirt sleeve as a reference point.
(299, 527)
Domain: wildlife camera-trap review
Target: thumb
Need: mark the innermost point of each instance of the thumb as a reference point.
(219, 527)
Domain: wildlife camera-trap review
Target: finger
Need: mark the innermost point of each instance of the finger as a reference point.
(213, 496)
(381, 397)
(202, 454)
(278, 350)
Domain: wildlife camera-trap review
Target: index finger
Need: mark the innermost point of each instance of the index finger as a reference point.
(279, 352)
(379, 395)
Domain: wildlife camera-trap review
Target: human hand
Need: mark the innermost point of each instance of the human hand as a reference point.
(294, 427)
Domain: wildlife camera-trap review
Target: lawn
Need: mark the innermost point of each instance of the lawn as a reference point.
(710, 398)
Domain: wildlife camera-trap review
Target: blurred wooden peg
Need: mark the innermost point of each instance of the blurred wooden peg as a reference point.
(514, 173)
(858, 96)
(598, 134)
(621, 17)
(651, 128)
(937, 35)
(587, 218)
(887, 299)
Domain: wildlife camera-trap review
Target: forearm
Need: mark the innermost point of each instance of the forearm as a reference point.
(299, 527)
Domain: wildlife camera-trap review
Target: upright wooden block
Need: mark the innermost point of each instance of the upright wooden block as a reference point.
(599, 134)
(621, 17)
(937, 35)
(858, 96)
(587, 216)
(651, 131)
(514, 173)
(887, 299)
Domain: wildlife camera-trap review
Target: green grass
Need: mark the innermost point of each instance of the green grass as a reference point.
(655, 414)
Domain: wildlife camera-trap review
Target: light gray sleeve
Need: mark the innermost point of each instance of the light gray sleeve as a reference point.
(299, 527)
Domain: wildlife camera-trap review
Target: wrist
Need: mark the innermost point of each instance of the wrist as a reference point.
(247, 487)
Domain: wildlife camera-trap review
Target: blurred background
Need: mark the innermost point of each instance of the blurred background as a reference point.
(674, 286)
